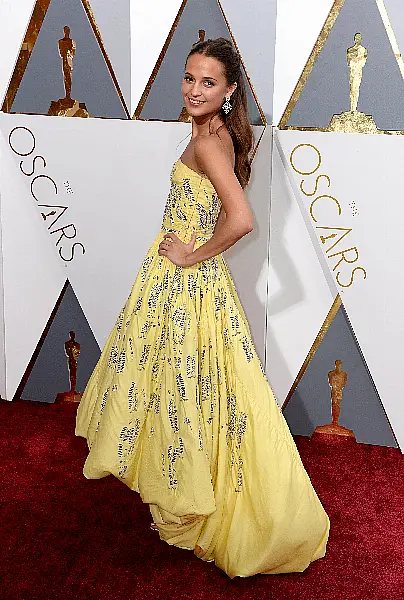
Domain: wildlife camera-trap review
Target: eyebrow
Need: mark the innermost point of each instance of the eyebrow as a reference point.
(188, 73)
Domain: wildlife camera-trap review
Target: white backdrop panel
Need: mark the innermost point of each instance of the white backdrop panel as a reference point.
(113, 177)
(364, 186)
(299, 296)
(32, 275)
(298, 25)
(150, 25)
(14, 19)
(248, 259)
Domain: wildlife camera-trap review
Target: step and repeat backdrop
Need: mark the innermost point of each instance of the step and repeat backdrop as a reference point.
(92, 120)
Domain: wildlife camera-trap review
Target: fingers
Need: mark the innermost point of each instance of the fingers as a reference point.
(192, 241)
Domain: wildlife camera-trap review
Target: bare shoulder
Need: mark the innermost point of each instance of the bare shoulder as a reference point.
(212, 148)
(208, 144)
(216, 161)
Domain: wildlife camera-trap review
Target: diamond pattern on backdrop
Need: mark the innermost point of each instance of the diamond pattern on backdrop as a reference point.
(39, 79)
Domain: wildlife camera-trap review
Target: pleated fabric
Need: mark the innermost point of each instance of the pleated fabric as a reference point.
(180, 410)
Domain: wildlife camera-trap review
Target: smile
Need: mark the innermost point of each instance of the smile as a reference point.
(195, 102)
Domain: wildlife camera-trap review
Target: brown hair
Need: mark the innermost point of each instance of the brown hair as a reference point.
(236, 120)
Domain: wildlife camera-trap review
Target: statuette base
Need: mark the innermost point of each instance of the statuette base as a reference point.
(353, 122)
(68, 397)
(67, 107)
(331, 429)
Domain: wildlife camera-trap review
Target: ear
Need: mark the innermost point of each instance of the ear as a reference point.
(231, 89)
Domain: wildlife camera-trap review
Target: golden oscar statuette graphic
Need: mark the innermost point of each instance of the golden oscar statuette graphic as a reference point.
(72, 350)
(353, 121)
(184, 116)
(337, 380)
(67, 106)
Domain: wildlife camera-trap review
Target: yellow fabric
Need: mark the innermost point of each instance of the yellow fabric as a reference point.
(179, 408)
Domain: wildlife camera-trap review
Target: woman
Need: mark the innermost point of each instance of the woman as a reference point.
(178, 406)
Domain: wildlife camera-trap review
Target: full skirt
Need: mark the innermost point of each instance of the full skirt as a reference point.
(180, 410)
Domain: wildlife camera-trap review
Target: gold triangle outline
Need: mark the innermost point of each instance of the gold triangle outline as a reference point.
(31, 34)
(257, 143)
(316, 344)
(162, 54)
(316, 51)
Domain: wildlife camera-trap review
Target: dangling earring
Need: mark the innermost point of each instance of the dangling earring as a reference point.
(227, 106)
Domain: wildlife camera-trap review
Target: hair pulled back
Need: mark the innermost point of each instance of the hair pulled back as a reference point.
(236, 120)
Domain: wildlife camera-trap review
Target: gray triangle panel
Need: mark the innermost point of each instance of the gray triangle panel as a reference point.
(361, 408)
(42, 81)
(50, 374)
(164, 101)
(327, 88)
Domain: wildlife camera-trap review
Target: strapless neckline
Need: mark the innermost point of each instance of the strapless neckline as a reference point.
(203, 178)
(181, 162)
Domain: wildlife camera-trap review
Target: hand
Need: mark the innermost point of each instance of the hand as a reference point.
(175, 250)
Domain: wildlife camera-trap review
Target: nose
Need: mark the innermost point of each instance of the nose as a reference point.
(195, 90)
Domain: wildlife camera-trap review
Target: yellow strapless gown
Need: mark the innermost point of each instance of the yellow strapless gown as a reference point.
(179, 409)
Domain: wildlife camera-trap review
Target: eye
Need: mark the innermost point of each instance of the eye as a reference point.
(209, 83)
(187, 78)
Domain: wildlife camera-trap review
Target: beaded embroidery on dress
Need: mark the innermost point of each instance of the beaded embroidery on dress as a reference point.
(179, 409)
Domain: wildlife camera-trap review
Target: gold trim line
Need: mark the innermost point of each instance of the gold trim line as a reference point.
(320, 336)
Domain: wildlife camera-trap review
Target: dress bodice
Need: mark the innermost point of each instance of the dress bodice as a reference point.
(192, 204)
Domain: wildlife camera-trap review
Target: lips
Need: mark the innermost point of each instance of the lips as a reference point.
(195, 102)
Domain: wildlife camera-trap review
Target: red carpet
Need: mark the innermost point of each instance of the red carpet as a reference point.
(65, 537)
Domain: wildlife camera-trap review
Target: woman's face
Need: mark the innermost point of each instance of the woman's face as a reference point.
(204, 86)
